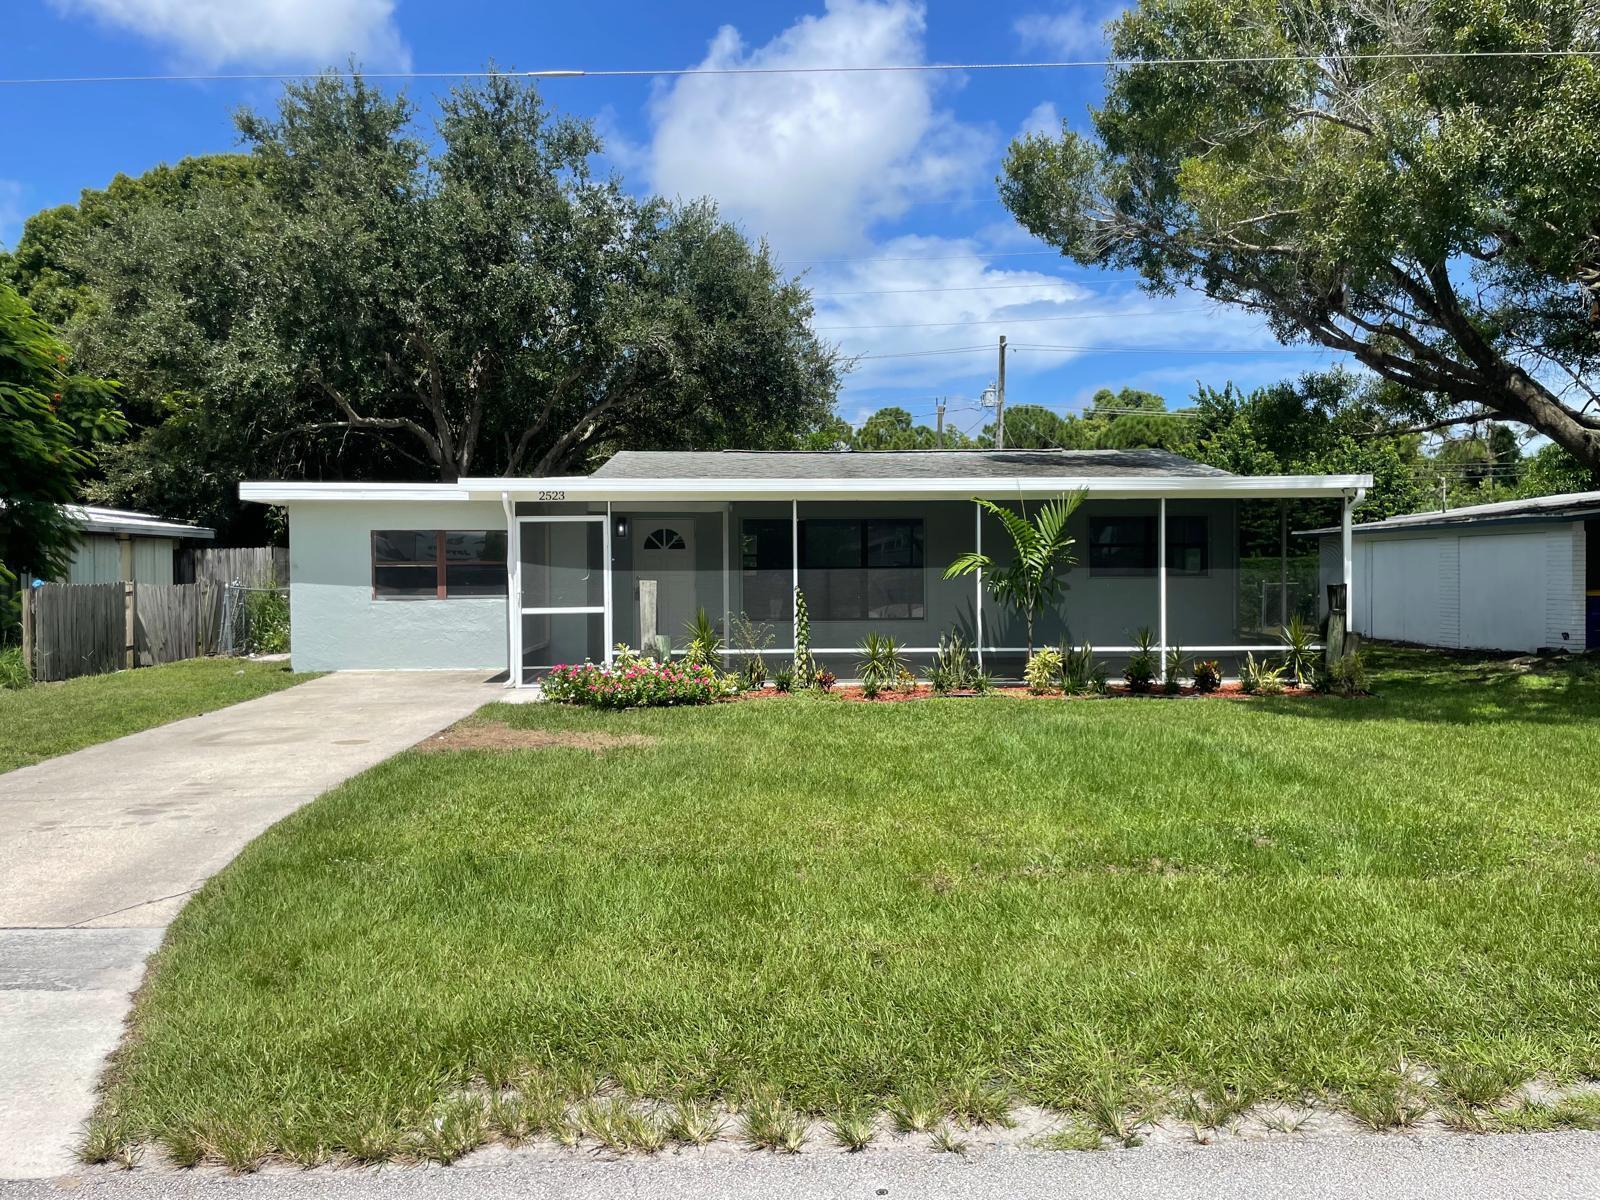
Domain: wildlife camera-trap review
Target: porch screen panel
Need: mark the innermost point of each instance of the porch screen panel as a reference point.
(555, 639)
(855, 570)
(765, 569)
(563, 564)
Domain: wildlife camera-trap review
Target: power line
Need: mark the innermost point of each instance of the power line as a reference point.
(1010, 320)
(1200, 351)
(884, 68)
(928, 353)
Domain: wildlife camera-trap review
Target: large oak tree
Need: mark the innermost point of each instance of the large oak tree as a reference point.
(1437, 217)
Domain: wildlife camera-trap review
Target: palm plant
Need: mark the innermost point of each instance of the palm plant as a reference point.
(1042, 548)
(1299, 650)
(705, 643)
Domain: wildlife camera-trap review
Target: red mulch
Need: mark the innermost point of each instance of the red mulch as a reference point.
(923, 692)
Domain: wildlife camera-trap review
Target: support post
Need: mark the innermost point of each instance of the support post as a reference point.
(727, 601)
(1283, 563)
(977, 597)
(1000, 400)
(1161, 579)
(605, 553)
(27, 624)
(513, 592)
(794, 578)
(1347, 553)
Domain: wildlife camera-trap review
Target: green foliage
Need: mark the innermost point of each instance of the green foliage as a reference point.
(881, 664)
(1041, 552)
(52, 418)
(894, 428)
(266, 616)
(384, 296)
(748, 638)
(1172, 675)
(1043, 670)
(805, 666)
(825, 680)
(1143, 663)
(953, 668)
(1207, 675)
(1346, 676)
(1434, 215)
(1081, 673)
(646, 684)
(705, 641)
(1300, 655)
(1258, 677)
(783, 679)
(14, 673)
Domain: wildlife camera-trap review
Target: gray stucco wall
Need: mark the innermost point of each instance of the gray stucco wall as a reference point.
(336, 624)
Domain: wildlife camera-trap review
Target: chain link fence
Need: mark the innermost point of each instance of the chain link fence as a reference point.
(255, 620)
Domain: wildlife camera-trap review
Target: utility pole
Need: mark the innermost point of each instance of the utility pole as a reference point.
(1444, 494)
(938, 427)
(1000, 400)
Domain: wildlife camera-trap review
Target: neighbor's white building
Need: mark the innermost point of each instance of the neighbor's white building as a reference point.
(1510, 576)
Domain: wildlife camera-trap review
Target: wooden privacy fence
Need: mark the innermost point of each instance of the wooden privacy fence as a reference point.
(253, 566)
(72, 629)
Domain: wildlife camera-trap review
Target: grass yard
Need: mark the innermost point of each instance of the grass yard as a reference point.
(48, 719)
(1088, 904)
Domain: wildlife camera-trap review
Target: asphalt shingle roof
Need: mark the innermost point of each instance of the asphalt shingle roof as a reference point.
(896, 464)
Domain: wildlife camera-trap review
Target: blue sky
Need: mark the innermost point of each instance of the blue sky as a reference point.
(880, 187)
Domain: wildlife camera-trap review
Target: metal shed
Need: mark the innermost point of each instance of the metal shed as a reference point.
(1515, 575)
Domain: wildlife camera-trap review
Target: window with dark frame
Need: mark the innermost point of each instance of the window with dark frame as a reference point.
(863, 569)
(1127, 545)
(438, 564)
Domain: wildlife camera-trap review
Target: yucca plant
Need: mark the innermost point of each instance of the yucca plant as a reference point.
(1042, 551)
(1174, 670)
(881, 665)
(1143, 663)
(1080, 673)
(1257, 677)
(705, 643)
(1299, 650)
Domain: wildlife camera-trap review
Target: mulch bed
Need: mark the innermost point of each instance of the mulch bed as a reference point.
(1228, 691)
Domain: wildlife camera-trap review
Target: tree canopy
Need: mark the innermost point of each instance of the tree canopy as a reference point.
(1437, 218)
(353, 299)
(51, 420)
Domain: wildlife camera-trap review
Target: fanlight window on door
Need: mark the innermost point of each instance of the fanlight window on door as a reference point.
(664, 539)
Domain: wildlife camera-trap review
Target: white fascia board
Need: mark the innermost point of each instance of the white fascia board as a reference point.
(291, 493)
(584, 487)
(588, 487)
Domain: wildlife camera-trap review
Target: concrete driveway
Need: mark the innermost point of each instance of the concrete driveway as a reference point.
(99, 850)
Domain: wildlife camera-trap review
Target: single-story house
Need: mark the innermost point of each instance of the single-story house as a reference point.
(119, 546)
(418, 576)
(1514, 575)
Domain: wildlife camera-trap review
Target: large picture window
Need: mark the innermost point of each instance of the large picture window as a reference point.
(438, 564)
(872, 569)
(1127, 545)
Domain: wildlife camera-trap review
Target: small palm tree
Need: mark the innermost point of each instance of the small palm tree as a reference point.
(1032, 578)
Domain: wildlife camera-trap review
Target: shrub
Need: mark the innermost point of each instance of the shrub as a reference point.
(1260, 678)
(1347, 676)
(783, 679)
(953, 669)
(705, 643)
(1174, 670)
(880, 663)
(13, 671)
(825, 679)
(754, 672)
(1299, 651)
(1081, 675)
(645, 684)
(1140, 672)
(266, 622)
(1043, 672)
(1207, 675)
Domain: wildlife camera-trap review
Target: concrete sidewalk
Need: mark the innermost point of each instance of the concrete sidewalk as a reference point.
(1373, 1167)
(99, 849)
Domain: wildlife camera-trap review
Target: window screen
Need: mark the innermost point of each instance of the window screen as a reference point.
(1126, 545)
(418, 564)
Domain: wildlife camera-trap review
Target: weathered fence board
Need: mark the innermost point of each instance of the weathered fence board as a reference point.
(253, 566)
(78, 629)
(174, 623)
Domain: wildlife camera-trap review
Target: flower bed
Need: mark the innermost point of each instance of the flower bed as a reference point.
(643, 684)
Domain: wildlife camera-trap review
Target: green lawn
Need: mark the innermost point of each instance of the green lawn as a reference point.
(48, 719)
(839, 903)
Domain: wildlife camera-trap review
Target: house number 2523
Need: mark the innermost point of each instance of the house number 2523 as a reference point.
(552, 495)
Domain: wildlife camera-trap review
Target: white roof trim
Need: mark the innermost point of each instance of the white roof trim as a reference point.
(587, 487)
(93, 519)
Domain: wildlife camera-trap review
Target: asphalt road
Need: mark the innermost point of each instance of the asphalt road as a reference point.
(1506, 1167)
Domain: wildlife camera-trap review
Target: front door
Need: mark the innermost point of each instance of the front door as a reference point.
(666, 555)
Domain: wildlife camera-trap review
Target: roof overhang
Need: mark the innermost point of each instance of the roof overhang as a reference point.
(111, 522)
(587, 487)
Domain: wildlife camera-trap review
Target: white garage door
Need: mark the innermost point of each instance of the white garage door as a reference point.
(1405, 598)
(1503, 591)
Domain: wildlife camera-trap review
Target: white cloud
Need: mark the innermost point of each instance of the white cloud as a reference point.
(1045, 119)
(813, 161)
(11, 213)
(210, 33)
(1071, 31)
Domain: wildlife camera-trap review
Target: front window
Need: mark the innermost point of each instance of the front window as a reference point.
(438, 564)
(1126, 545)
(853, 570)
